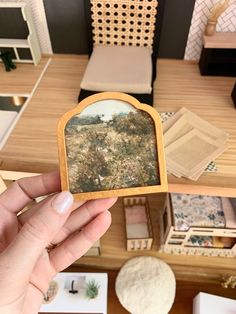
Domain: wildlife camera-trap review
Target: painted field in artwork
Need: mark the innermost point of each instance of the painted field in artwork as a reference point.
(111, 145)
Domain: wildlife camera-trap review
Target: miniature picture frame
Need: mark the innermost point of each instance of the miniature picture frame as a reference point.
(111, 145)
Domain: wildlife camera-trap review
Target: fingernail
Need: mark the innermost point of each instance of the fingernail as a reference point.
(62, 202)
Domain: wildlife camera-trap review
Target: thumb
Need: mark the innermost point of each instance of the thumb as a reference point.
(39, 231)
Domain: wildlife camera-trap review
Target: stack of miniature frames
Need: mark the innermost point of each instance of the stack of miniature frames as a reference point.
(191, 143)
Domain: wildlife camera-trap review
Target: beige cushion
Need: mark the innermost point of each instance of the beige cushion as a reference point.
(119, 68)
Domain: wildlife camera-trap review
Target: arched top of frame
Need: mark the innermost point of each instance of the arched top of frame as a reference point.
(111, 145)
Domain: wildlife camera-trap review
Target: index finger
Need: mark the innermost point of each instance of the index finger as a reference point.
(24, 190)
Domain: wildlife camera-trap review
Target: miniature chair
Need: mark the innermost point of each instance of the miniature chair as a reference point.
(123, 44)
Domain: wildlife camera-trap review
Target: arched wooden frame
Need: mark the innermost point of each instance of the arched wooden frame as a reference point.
(161, 166)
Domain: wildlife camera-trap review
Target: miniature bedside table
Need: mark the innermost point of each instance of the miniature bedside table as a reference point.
(218, 55)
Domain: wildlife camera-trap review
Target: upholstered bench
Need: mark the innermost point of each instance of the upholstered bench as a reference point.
(130, 73)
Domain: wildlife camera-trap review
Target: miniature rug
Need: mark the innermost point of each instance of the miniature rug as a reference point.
(146, 285)
(165, 116)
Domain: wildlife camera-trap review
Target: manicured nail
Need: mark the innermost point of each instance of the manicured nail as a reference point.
(62, 202)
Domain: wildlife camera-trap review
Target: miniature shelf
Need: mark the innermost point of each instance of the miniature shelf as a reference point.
(12, 43)
(30, 43)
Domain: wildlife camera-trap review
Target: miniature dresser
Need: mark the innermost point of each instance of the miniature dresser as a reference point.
(199, 225)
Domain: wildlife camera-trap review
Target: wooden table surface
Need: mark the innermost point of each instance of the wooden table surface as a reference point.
(32, 145)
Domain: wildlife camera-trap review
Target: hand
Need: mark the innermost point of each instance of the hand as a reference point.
(26, 265)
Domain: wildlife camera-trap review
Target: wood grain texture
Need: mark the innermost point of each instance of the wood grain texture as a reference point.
(32, 145)
(220, 40)
(21, 80)
(179, 84)
(114, 253)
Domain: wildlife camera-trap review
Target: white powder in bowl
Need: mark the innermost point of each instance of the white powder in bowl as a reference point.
(146, 285)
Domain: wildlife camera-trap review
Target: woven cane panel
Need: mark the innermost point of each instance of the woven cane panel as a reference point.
(127, 22)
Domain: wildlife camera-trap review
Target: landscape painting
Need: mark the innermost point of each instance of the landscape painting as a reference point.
(111, 145)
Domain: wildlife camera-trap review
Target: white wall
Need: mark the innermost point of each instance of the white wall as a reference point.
(202, 9)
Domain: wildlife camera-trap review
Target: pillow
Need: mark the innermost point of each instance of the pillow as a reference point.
(125, 69)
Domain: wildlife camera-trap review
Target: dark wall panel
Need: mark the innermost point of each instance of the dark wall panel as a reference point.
(12, 24)
(175, 28)
(66, 25)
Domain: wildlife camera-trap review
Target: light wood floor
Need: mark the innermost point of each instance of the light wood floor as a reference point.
(21, 80)
(178, 84)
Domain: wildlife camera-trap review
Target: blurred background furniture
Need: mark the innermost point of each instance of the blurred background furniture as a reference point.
(218, 55)
(22, 49)
(123, 40)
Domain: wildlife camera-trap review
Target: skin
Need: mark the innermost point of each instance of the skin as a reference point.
(26, 265)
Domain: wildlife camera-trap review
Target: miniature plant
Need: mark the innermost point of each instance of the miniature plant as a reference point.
(92, 289)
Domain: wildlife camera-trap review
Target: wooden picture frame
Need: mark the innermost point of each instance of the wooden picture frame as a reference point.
(63, 144)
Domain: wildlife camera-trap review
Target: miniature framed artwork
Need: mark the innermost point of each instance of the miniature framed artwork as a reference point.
(111, 145)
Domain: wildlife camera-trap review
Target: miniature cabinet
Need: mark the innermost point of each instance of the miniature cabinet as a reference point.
(218, 55)
(30, 43)
(198, 225)
(139, 235)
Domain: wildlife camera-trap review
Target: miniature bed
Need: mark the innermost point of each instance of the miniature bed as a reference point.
(139, 235)
(199, 225)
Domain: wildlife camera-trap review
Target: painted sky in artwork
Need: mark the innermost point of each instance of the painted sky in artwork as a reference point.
(107, 108)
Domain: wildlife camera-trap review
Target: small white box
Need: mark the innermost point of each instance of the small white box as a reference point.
(205, 303)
